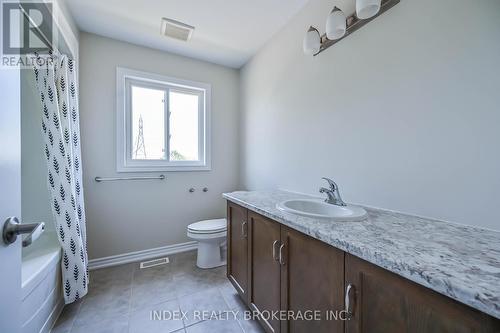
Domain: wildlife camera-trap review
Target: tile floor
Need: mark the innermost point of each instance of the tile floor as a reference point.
(122, 298)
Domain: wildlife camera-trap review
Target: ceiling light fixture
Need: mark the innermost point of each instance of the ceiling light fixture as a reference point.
(338, 26)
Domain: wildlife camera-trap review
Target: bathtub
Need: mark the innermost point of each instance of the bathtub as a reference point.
(42, 299)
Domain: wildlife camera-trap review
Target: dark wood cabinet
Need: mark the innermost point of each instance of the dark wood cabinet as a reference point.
(237, 248)
(289, 271)
(312, 279)
(276, 268)
(264, 269)
(383, 302)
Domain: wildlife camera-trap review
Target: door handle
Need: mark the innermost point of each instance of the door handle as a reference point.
(243, 229)
(12, 228)
(274, 249)
(350, 289)
(281, 261)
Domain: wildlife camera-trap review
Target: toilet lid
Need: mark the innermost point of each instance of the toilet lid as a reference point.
(208, 226)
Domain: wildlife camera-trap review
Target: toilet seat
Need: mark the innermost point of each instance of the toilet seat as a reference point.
(208, 227)
(207, 237)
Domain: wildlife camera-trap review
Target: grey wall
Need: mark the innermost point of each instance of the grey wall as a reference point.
(131, 216)
(35, 205)
(403, 114)
(65, 12)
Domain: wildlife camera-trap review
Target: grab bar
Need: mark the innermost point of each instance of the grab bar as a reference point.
(112, 179)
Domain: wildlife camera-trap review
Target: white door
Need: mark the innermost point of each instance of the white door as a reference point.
(10, 198)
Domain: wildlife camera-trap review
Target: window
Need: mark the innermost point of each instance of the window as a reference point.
(162, 123)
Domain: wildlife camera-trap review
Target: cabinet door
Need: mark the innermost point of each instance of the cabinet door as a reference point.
(312, 279)
(384, 302)
(237, 248)
(264, 291)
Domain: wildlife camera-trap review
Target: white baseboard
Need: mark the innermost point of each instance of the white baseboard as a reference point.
(54, 315)
(141, 255)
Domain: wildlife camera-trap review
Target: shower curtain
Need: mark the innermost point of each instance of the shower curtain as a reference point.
(57, 85)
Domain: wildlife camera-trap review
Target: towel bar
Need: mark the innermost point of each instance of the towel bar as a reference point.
(112, 179)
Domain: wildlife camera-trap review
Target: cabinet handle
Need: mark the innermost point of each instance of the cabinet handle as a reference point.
(281, 261)
(243, 229)
(274, 249)
(350, 288)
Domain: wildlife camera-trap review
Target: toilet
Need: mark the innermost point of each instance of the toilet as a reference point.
(210, 235)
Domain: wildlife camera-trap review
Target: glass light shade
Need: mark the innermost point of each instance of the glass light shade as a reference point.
(367, 8)
(312, 41)
(336, 24)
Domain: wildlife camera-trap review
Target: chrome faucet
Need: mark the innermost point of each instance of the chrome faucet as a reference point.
(333, 194)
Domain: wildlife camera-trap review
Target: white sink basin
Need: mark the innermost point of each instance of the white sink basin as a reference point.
(317, 208)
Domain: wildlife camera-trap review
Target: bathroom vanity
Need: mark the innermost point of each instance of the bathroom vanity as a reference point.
(390, 273)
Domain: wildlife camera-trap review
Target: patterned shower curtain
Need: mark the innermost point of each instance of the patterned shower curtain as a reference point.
(56, 82)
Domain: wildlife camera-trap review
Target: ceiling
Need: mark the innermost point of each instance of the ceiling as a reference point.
(228, 32)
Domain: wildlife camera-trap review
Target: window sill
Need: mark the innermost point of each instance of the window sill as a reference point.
(177, 168)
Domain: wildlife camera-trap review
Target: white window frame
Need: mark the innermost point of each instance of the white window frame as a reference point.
(125, 78)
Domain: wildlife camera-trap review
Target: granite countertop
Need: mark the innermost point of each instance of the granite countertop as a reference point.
(461, 262)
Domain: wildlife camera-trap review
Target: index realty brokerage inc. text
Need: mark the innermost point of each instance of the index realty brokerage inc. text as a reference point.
(282, 315)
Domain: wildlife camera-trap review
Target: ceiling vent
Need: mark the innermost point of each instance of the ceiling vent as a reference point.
(175, 29)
